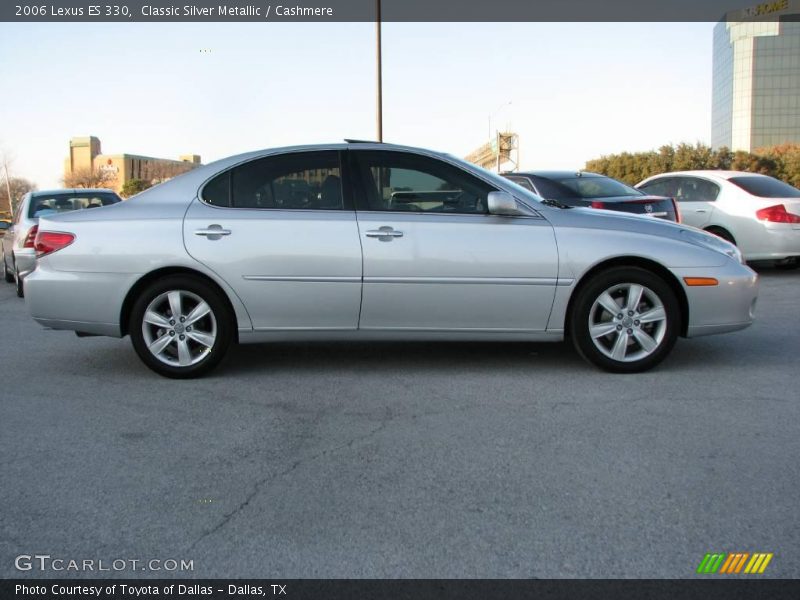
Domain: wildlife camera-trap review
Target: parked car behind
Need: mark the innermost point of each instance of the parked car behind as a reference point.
(760, 214)
(593, 190)
(384, 242)
(4, 225)
(18, 255)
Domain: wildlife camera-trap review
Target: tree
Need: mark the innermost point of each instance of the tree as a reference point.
(89, 178)
(134, 186)
(787, 160)
(754, 163)
(781, 161)
(19, 187)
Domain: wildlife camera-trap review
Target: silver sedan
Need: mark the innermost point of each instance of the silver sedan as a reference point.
(375, 241)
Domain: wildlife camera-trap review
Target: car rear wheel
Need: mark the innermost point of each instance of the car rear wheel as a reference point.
(625, 320)
(180, 327)
(723, 233)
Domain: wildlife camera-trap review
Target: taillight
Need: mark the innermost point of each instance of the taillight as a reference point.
(48, 242)
(777, 214)
(677, 210)
(598, 204)
(31, 237)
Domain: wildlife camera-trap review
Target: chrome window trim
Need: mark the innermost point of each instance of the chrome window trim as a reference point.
(326, 211)
(423, 213)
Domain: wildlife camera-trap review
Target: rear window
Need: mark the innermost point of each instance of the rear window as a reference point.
(552, 190)
(765, 187)
(598, 187)
(49, 204)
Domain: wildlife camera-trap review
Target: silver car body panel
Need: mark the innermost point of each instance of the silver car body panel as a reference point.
(300, 274)
(458, 272)
(292, 269)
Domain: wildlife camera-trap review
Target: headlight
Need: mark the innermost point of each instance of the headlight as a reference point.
(712, 242)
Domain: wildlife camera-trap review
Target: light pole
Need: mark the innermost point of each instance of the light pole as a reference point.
(497, 135)
(379, 99)
(491, 114)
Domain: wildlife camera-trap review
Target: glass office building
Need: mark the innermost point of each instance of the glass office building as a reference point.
(756, 77)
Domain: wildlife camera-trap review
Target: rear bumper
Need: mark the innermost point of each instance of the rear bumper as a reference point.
(87, 302)
(729, 306)
(776, 243)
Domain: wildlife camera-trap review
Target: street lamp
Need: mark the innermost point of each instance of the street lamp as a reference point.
(379, 99)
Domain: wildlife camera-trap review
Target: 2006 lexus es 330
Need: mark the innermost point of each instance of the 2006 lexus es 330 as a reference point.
(374, 241)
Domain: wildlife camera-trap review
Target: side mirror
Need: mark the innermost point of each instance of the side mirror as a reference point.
(502, 203)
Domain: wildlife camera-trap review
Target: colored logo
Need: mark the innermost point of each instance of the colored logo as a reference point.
(734, 563)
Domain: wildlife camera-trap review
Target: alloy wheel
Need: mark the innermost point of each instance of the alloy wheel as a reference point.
(179, 328)
(627, 322)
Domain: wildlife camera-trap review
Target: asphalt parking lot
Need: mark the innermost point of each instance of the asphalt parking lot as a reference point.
(403, 460)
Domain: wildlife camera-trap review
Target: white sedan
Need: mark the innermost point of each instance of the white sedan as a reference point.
(760, 214)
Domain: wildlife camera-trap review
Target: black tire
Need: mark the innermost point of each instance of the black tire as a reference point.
(787, 265)
(723, 233)
(7, 275)
(207, 358)
(626, 330)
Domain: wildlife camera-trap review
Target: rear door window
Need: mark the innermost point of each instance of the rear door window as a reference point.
(298, 181)
(693, 189)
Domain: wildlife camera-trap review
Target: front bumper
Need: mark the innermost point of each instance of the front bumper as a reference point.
(728, 306)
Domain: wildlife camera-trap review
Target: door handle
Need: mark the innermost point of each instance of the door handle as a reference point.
(384, 234)
(700, 210)
(213, 232)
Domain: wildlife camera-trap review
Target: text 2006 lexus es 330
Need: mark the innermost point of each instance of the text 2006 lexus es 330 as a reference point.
(374, 241)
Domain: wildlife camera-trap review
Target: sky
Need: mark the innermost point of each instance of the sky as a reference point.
(572, 91)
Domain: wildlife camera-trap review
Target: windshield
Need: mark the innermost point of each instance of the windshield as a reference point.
(592, 186)
(765, 187)
(58, 202)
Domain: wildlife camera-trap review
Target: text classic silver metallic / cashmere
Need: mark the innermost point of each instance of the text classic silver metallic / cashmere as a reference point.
(375, 241)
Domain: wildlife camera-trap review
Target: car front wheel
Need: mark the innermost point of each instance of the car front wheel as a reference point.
(625, 320)
(180, 327)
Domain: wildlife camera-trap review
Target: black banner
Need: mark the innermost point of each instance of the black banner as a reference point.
(420, 589)
(394, 10)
